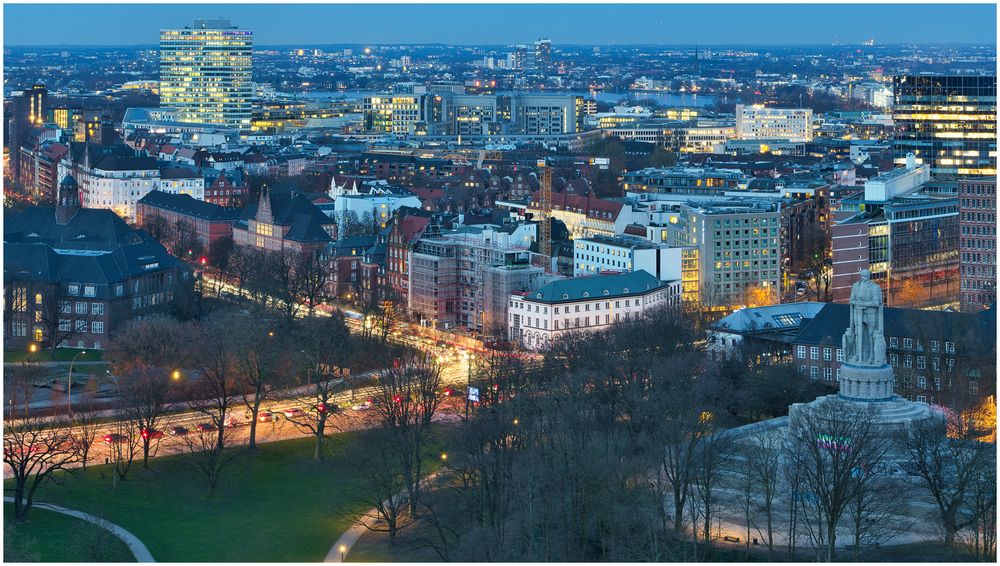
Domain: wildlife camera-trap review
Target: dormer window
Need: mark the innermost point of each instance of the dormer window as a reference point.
(565, 296)
(586, 294)
(625, 290)
(606, 293)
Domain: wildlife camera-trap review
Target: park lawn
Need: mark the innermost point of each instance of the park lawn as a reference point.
(60, 355)
(32, 541)
(272, 505)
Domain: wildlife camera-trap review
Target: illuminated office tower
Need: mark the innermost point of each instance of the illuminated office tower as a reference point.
(543, 54)
(947, 122)
(205, 72)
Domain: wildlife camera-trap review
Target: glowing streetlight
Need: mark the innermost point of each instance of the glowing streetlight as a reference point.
(444, 457)
(343, 552)
(32, 348)
(175, 375)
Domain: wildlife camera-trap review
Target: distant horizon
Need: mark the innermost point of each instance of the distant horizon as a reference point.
(659, 45)
(710, 25)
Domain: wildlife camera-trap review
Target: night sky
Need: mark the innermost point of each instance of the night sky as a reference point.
(458, 24)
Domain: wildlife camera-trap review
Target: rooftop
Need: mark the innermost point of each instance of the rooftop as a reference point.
(597, 286)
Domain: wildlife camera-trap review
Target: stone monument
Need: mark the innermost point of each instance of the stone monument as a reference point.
(865, 377)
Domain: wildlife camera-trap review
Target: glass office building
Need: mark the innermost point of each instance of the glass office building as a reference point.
(205, 73)
(947, 122)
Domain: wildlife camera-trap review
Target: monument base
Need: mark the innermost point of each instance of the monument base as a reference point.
(866, 383)
(893, 416)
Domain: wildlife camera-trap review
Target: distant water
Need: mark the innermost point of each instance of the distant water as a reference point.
(661, 98)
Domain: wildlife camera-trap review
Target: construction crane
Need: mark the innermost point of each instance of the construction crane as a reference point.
(545, 216)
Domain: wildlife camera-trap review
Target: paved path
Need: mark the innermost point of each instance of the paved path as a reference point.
(350, 537)
(360, 527)
(133, 543)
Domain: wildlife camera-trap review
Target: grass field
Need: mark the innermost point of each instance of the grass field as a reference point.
(60, 355)
(273, 505)
(79, 541)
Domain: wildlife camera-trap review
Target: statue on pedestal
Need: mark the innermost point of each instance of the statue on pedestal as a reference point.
(864, 340)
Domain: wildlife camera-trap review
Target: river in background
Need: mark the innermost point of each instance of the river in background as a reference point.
(661, 98)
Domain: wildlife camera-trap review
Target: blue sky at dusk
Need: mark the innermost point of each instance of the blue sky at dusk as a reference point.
(598, 24)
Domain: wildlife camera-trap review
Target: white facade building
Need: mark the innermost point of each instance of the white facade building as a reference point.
(586, 304)
(592, 256)
(757, 122)
(377, 206)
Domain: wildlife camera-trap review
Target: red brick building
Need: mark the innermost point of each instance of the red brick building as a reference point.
(284, 220)
(978, 242)
(224, 192)
(210, 221)
(346, 259)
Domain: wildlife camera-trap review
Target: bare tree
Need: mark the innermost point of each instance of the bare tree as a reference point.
(186, 243)
(145, 353)
(34, 452)
(710, 458)
(157, 227)
(327, 349)
(947, 469)
(407, 396)
(86, 422)
(261, 360)
(984, 506)
(763, 460)
(311, 272)
(870, 511)
(124, 444)
(217, 390)
(144, 395)
(835, 441)
(382, 486)
(210, 455)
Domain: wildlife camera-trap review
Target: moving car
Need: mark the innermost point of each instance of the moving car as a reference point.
(292, 413)
(151, 434)
(178, 431)
(204, 427)
(114, 438)
(265, 417)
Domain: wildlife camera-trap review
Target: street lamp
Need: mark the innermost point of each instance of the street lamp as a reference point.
(343, 552)
(175, 375)
(69, 383)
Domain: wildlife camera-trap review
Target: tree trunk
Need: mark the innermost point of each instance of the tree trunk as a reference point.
(254, 410)
(320, 431)
(678, 511)
(19, 508)
(831, 530)
(145, 453)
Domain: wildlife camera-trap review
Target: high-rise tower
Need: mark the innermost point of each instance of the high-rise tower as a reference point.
(205, 72)
(947, 122)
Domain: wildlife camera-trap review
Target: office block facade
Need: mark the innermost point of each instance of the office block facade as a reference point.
(206, 72)
(948, 123)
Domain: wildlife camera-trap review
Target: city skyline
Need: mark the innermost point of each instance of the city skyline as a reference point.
(591, 24)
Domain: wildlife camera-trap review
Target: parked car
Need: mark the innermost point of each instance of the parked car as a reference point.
(151, 434)
(178, 431)
(114, 438)
(204, 427)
